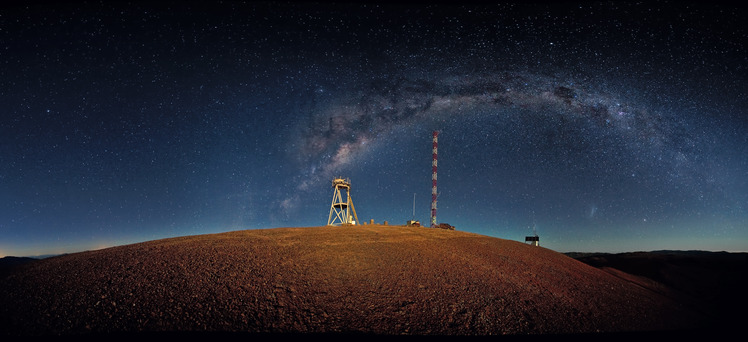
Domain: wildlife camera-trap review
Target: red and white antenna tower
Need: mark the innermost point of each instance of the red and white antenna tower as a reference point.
(433, 180)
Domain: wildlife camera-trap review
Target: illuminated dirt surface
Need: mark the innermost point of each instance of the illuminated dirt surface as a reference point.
(364, 279)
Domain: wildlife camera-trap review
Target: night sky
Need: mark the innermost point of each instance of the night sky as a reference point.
(610, 126)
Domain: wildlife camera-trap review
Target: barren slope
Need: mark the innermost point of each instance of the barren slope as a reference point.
(371, 279)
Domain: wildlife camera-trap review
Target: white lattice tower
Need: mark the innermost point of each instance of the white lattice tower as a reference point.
(342, 210)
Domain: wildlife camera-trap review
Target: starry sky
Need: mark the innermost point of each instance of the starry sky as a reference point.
(600, 126)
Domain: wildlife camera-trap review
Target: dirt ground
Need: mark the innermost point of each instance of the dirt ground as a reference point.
(381, 280)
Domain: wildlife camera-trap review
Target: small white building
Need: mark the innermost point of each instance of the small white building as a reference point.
(533, 240)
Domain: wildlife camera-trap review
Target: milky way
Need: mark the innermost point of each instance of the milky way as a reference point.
(337, 134)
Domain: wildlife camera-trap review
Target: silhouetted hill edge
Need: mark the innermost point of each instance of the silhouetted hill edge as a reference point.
(713, 282)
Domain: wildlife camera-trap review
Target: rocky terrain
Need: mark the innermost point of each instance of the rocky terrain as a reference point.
(378, 280)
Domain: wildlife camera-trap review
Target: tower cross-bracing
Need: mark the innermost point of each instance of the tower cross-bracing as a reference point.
(342, 210)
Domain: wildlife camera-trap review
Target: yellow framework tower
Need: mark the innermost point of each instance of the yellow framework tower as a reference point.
(340, 210)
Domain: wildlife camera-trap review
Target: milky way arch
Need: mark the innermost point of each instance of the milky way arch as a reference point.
(341, 130)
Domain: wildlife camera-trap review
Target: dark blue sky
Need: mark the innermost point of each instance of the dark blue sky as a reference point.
(604, 126)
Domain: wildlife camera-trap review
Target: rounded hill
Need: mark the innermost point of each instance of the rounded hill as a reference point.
(363, 279)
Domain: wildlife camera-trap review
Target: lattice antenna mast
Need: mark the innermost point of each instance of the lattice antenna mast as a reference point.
(433, 178)
(414, 206)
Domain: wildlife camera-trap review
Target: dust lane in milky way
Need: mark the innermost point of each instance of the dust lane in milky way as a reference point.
(342, 129)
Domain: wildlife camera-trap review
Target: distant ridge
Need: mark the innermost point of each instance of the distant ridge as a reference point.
(661, 251)
(8, 263)
(378, 280)
(711, 282)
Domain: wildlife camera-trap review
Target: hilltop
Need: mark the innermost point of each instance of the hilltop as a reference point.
(380, 280)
